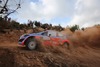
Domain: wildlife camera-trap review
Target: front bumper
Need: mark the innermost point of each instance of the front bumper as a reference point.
(21, 41)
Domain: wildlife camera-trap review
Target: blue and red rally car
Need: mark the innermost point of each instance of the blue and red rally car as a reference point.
(48, 38)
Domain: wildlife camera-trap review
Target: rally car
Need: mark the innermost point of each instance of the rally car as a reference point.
(48, 37)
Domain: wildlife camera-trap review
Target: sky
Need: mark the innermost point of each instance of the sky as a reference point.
(84, 13)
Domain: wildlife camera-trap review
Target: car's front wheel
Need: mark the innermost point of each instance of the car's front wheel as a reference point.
(31, 44)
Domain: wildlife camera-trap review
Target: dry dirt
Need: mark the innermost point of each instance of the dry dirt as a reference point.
(84, 51)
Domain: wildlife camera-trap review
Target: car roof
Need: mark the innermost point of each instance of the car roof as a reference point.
(52, 31)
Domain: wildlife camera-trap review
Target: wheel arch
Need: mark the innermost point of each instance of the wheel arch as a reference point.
(66, 41)
(28, 38)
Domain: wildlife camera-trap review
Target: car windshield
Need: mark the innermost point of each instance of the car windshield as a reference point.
(39, 33)
(43, 33)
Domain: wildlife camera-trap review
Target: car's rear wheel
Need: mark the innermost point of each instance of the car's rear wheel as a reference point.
(66, 44)
(31, 44)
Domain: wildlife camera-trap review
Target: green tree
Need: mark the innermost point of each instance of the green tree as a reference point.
(14, 25)
(37, 24)
(82, 29)
(75, 27)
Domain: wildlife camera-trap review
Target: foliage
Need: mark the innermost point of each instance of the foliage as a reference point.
(75, 27)
(30, 24)
(58, 28)
(82, 29)
(6, 9)
(37, 24)
(44, 26)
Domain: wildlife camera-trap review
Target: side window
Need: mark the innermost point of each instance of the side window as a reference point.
(44, 33)
(60, 35)
(51, 33)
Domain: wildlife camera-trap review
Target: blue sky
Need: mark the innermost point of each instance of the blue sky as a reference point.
(64, 12)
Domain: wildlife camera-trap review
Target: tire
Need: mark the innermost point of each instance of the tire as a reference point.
(31, 44)
(66, 44)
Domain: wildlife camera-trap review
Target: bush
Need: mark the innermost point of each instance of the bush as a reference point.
(75, 27)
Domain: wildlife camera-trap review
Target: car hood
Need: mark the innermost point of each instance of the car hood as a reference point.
(27, 35)
(34, 34)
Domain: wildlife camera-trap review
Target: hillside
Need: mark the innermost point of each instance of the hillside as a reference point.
(84, 51)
